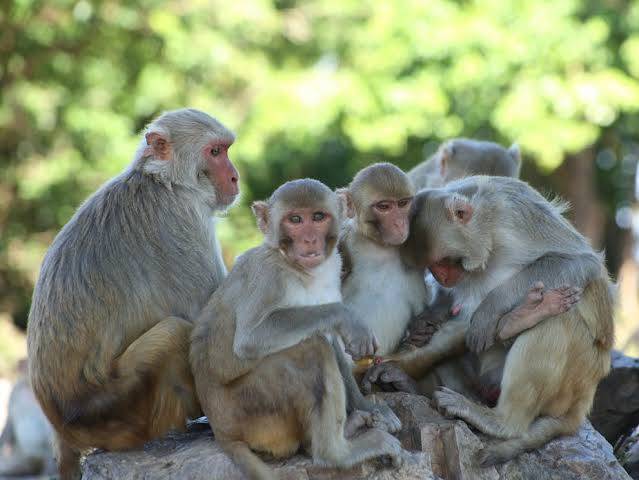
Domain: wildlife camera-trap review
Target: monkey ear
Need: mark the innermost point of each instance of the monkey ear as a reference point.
(260, 210)
(346, 202)
(158, 145)
(446, 153)
(459, 209)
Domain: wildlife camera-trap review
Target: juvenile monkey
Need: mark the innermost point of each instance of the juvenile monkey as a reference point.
(264, 352)
(462, 157)
(27, 432)
(491, 238)
(377, 284)
(110, 321)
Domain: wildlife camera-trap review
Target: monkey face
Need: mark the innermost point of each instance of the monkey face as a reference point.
(391, 219)
(305, 233)
(440, 238)
(220, 172)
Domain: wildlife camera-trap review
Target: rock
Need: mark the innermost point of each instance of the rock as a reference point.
(615, 411)
(440, 449)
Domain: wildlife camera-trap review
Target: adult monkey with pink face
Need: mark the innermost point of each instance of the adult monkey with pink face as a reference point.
(269, 372)
(110, 321)
(492, 238)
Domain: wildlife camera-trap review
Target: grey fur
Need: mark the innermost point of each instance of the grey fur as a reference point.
(461, 157)
(140, 249)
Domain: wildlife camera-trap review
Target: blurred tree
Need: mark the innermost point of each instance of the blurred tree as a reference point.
(313, 88)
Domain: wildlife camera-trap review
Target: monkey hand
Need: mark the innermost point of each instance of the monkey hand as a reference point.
(359, 340)
(389, 377)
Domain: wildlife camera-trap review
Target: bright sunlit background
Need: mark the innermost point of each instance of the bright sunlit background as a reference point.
(319, 89)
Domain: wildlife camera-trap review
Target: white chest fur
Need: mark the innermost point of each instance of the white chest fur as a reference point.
(383, 293)
(320, 286)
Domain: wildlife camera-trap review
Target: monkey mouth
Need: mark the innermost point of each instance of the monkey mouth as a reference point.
(310, 259)
(448, 271)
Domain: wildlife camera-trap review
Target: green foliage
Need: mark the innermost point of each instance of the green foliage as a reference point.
(313, 88)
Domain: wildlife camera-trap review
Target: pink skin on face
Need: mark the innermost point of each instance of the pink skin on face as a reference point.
(307, 228)
(392, 216)
(221, 172)
(447, 272)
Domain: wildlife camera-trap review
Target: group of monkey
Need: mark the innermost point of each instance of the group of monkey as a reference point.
(135, 325)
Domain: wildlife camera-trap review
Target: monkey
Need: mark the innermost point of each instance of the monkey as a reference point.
(456, 159)
(377, 285)
(27, 432)
(264, 351)
(461, 157)
(490, 238)
(112, 311)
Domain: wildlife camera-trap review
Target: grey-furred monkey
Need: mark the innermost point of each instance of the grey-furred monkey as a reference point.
(463, 157)
(27, 433)
(269, 371)
(491, 238)
(112, 310)
(377, 284)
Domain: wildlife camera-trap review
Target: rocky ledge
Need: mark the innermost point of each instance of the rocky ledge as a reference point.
(440, 449)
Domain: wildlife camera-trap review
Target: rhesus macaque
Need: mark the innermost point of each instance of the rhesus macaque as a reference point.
(27, 433)
(112, 310)
(377, 284)
(462, 157)
(267, 365)
(492, 238)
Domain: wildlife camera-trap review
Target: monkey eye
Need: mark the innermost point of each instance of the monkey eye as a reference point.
(382, 206)
(319, 216)
(215, 151)
(295, 219)
(403, 202)
(459, 214)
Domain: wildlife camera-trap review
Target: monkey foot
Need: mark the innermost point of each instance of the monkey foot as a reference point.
(538, 305)
(450, 403)
(356, 421)
(385, 419)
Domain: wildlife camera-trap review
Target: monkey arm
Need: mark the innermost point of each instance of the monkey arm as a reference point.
(553, 270)
(284, 327)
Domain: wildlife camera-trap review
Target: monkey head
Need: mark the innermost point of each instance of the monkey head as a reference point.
(301, 220)
(190, 148)
(449, 233)
(379, 198)
(463, 157)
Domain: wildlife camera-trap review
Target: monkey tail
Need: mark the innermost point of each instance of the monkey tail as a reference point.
(541, 431)
(250, 464)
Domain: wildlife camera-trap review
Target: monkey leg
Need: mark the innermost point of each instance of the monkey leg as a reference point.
(151, 394)
(540, 432)
(381, 414)
(292, 398)
(537, 306)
